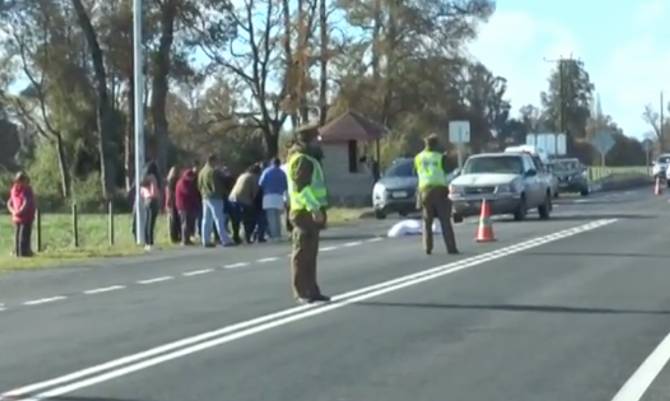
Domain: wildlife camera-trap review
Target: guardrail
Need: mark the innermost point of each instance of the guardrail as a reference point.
(599, 173)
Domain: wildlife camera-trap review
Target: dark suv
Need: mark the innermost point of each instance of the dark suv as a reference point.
(572, 176)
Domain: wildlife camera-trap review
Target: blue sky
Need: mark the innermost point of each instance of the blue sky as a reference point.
(624, 44)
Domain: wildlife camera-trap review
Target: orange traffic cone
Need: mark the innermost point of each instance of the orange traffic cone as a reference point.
(658, 190)
(485, 231)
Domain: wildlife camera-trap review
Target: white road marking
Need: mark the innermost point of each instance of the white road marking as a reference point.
(373, 240)
(329, 249)
(44, 300)
(639, 382)
(155, 356)
(268, 260)
(2, 307)
(106, 289)
(155, 280)
(197, 272)
(236, 265)
(352, 244)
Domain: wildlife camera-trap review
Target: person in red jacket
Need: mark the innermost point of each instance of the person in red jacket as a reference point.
(21, 205)
(187, 202)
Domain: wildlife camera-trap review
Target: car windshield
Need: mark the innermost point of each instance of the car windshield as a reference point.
(664, 159)
(494, 165)
(565, 166)
(403, 168)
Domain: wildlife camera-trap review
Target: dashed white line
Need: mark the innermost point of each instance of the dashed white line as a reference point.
(105, 289)
(2, 308)
(197, 272)
(236, 265)
(155, 280)
(352, 244)
(373, 240)
(44, 300)
(268, 260)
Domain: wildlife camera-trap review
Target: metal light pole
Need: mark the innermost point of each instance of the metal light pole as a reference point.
(139, 118)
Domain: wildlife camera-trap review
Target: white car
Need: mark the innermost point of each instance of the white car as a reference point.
(660, 167)
(510, 182)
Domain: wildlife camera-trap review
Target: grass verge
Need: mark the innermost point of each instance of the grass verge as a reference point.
(58, 238)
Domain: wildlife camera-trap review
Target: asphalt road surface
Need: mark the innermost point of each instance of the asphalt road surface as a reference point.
(576, 308)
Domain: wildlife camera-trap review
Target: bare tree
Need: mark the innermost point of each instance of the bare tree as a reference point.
(104, 109)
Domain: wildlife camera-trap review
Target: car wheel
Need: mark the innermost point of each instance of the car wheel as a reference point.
(403, 213)
(457, 218)
(380, 214)
(544, 210)
(521, 212)
(556, 195)
(584, 192)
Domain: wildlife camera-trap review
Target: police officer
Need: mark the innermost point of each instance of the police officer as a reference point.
(434, 194)
(308, 201)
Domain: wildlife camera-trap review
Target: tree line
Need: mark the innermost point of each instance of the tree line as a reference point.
(235, 76)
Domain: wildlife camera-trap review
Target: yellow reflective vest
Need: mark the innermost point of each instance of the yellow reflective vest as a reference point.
(312, 197)
(429, 167)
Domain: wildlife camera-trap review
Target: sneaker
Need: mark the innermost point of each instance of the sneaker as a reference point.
(303, 301)
(148, 248)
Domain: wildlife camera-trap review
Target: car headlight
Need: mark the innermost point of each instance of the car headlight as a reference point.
(379, 191)
(504, 188)
(456, 190)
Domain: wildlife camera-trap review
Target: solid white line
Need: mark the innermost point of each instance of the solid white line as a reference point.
(352, 244)
(106, 289)
(329, 249)
(639, 382)
(197, 272)
(268, 260)
(44, 301)
(155, 280)
(373, 240)
(158, 355)
(236, 265)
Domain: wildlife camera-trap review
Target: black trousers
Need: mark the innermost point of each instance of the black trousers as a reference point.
(187, 220)
(151, 211)
(174, 225)
(22, 237)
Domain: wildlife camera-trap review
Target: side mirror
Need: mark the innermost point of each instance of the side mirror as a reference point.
(456, 172)
(531, 173)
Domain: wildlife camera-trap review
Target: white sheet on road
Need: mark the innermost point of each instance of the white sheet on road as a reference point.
(411, 227)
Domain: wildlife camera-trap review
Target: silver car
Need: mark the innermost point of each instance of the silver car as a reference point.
(511, 182)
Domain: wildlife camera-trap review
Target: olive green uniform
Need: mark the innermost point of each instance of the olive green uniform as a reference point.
(434, 199)
(307, 195)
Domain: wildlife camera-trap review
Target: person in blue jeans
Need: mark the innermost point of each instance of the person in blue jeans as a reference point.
(274, 184)
(212, 204)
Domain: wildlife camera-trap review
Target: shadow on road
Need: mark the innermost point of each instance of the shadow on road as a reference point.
(519, 308)
(599, 255)
(586, 217)
(87, 399)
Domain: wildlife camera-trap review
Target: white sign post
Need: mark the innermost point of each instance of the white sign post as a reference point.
(139, 118)
(459, 134)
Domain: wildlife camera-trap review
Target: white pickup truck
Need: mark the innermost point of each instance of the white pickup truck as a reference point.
(510, 181)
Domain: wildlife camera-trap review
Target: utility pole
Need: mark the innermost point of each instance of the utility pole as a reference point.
(139, 118)
(661, 123)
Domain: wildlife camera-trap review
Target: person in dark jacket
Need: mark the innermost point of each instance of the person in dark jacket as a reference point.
(174, 224)
(187, 203)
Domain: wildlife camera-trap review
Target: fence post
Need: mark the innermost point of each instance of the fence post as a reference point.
(110, 223)
(75, 225)
(38, 231)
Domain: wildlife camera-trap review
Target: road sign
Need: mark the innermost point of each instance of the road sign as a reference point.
(459, 132)
(648, 145)
(603, 142)
(551, 143)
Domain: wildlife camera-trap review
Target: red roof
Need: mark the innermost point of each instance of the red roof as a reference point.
(351, 126)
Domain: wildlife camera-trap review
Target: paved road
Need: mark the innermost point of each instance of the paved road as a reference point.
(576, 308)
